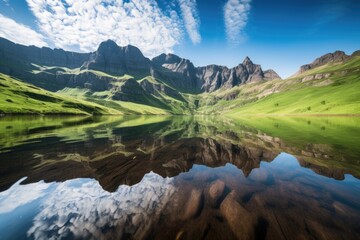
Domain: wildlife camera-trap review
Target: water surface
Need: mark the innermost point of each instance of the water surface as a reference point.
(179, 178)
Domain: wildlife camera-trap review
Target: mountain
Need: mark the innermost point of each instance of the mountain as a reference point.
(123, 79)
(17, 97)
(122, 75)
(209, 78)
(115, 60)
(328, 85)
(337, 56)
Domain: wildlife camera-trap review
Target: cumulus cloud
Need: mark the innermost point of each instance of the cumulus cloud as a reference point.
(81, 209)
(236, 15)
(20, 195)
(19, 33)
(191, 19)
(83, 24)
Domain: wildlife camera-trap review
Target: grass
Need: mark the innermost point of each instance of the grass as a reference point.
(104, 98)
(17, 97)
(336, 94)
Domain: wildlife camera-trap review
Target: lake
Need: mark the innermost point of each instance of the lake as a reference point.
(179, 177)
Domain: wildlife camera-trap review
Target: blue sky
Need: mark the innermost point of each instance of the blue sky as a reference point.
(278, 34)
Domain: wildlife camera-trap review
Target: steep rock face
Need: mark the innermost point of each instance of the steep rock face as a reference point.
(178, 72)
(14, 54)
(112, 59)
(209, 78)
(337, 56)
(216, 77)
(155, 89)
(129, 91)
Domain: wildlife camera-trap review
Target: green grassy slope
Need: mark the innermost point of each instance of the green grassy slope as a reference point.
(17, 97)
(137, 101)
(103, 98)
(329, 89)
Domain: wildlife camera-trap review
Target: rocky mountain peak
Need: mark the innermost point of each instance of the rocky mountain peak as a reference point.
(271, 74)
(337, 56)
(113, 59)
(107, 45)
(167, 59)
(247, 61)
(133, 53)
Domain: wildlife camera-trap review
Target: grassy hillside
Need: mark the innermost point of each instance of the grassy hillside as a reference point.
(103, 99)
(17, 97)
(120, 92)
(329, 89)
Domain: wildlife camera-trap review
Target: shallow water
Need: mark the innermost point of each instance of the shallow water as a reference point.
(179, 178)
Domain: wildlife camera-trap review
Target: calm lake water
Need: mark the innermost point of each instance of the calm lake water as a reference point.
(179, 178)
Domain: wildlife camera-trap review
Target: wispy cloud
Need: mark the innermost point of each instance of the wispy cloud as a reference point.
(236, 15)
(19, 33)
(83, 24)
(191, 19)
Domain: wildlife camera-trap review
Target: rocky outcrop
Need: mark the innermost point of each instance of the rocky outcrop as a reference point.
(318, 76)
(18, 56)
(178, 73)
(129, 91)
(271, 75)
(112, 59)
(337, 56)
(209, 78)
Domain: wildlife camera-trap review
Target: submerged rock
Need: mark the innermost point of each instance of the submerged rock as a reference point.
(239, 219)
(216, 190)
(194, 204)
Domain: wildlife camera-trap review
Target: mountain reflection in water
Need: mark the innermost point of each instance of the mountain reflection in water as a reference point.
(179, 177)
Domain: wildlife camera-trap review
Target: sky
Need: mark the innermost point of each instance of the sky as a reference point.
(277, 34)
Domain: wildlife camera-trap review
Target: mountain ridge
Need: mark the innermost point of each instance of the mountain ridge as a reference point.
(115, 60)
(123, 78)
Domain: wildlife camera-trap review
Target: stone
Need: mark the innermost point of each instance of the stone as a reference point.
(193, 205)
(239, 219)
(216, 190)
(337, 56)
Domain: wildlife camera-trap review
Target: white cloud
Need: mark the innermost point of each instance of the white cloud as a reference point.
(19, 33)
(82, 209)
(191, 19)
(236, 15)
(20, 195)
(83, 24)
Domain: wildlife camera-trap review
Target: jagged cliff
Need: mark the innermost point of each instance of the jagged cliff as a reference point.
(335, 57)
(211, 77)
(180, 74)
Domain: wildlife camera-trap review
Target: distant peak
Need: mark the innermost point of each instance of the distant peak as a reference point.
(356, 53)
(167, 58)
(129, 46)
(108, 44)
(247, 61)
